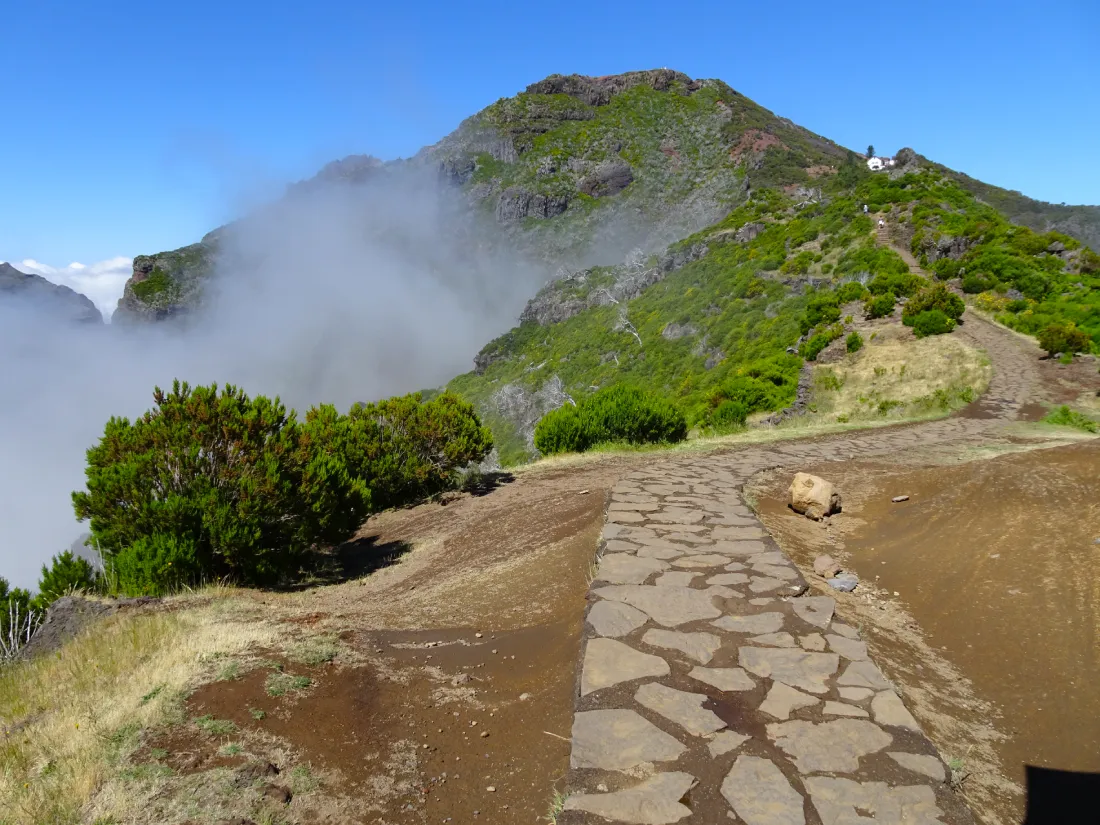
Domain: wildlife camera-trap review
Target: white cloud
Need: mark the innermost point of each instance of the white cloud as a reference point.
(102, 282)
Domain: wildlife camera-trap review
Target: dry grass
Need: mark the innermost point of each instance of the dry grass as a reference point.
(69, 716)
(895, 380)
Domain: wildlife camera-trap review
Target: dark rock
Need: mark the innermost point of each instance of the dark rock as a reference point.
(598, 91)
(248, 774)
(674, 332)
(457, 170)
(607, 179)
(1056, 248)
(748, 232)
(277, 793)
(517, 203)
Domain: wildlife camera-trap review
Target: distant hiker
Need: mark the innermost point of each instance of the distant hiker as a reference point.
(864, 209)
(881, 223)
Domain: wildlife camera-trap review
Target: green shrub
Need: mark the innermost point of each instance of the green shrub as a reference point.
(1065, 417)
(66, 573)
(880, 306)
(854, 342)
(213, 485)
(616, 414)
(812, 348)
(946, 268)
(931, 322)
(973, 284)
(562, 431)
(822, 308)
(938, 297)
(1018, 305)
(1064, 337)
(851, 291)
(898, 283)
(729, 415)
(406, 449)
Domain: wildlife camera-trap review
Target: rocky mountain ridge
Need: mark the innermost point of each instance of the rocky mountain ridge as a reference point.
(24, 290)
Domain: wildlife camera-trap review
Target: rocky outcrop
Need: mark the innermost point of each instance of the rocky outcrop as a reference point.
(598, 91)
(607, 179)
(517, 203)
(28, 291)
(168, 284)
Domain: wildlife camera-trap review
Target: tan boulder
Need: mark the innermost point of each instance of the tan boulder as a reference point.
(813, 497)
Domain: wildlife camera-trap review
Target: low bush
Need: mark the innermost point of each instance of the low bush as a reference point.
(728, 416)
(934, 297)
(973, 284)
(880, 306)
(946, 268)
(616, 414)
(854, 342)
(931, 322)
(1065, 417)
(851, 291)
(213, 485)
(1066, 337)
(898, 283)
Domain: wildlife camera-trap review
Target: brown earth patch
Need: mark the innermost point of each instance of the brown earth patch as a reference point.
(753, 141)
(979, 597)
(475, 629)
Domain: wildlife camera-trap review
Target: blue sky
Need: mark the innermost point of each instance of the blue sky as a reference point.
(135, 127)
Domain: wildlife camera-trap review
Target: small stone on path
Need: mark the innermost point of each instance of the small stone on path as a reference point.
(654, 802)
(797, 668)
(812, 641)
(683, 708)
(754, 623)
(829, 747)
(898, 499)
(890, 710)
(757, 790)
(698, 646)
(724, 678)
(618, 740)
(669, 606)
(725, 742)
(815, 610)
(615, 618)
(842, 709)
(607, 663)
(826, 567)
(848, 648)
(845, 583)
(781, 700)
(928, 766)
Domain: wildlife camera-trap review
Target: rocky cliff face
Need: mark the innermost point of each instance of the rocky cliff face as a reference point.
(21, 290)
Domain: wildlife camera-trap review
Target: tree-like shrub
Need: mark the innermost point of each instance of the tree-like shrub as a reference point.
(898, 283)
(67, 573)
(851, 291)
(218, 483)
(615, 414)
(932, 322)
(973, 284)
(946, 268)
(1055, 338)
(406, 449)
(854, 342)
(936, 296)
(823, 308)
(879, 306)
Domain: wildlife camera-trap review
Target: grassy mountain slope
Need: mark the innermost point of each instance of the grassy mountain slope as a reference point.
(574, 171)
(731, 301)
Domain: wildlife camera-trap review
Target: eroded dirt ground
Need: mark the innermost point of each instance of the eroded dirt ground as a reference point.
(980, 594)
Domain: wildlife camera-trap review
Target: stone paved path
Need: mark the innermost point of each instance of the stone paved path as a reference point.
(714, 689)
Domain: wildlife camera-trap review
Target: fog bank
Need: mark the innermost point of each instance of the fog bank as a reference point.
(336, 294)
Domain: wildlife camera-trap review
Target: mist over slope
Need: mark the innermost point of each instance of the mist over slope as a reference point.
(648, 198)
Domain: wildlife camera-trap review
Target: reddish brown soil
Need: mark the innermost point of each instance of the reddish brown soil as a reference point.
(394, 726)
